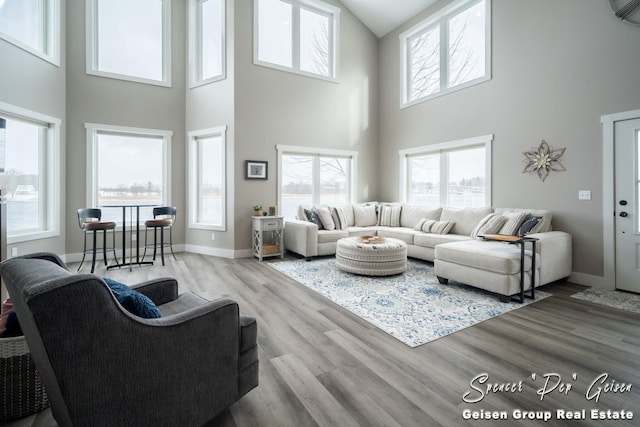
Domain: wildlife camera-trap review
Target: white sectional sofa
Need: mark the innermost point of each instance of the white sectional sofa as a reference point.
(450, 233)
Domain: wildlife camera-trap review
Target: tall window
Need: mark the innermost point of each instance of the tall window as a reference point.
(30, 173)
(300, 36)
(455, 174)
(448, 51)
(207, 179)
(127, 166)
(314, 177)
(130, 40)
(33, 25)
(206, 41)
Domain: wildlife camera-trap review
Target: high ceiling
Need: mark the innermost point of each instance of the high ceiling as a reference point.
(382, 16)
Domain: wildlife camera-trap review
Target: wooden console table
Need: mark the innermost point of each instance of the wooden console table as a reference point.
(520, 241)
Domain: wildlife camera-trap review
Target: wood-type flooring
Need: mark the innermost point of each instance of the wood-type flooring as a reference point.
(321, 365)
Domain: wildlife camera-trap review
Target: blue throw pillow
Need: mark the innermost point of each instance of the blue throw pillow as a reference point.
(133, 301)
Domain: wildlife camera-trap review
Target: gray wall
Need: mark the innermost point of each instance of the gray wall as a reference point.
(274, 107)
(29, 82)
(92, 99)
(557, 68)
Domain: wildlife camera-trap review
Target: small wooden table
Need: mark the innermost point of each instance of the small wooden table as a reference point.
(521, 241)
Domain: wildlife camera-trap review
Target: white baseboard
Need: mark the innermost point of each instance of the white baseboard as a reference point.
(590, 280)
(223, 253)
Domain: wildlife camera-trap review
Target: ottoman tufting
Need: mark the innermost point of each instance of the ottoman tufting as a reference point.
(368, 257)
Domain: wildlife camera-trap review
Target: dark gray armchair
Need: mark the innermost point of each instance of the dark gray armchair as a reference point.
(102, 366)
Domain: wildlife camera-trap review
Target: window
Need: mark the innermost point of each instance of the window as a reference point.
(30, 173)
(207, 179)
(127, 166)
(32, 25)
(455, 174)
(130, 40)
(206, 41)
(300, 36)
(311, 176)
(450, 50)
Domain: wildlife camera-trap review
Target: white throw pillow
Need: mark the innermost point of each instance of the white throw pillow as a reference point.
(389, 215)
(365, 215)
(513, 223)
(339, 219)
(326, 219)
(441, 227)
(492, 225)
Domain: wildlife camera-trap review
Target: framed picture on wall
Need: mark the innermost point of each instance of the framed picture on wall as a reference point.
(256, 169)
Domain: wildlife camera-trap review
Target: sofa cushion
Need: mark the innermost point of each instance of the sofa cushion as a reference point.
(412, 214)
(365, 216)
(497, 257)
(389, 215)
(490, 224)
(325, 217)
(429, 240)
(542, 227)
(513, 222)
(330, 236)
(401, 233)
(339, 218)
(465, 219)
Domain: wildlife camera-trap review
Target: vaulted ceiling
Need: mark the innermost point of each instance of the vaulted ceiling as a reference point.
(383, 16)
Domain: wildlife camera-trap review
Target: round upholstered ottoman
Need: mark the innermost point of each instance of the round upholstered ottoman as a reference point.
(371, 255)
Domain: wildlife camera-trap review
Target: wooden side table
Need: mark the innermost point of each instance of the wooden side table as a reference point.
(267, 236)
(520, 241)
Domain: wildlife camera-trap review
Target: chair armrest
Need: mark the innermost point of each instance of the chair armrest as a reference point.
(301, 237)
(556, 255)
(160, 291)
(47, 256)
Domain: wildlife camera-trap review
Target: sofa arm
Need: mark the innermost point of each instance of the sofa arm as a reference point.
(556, 255)
(301, 237)
(160, 291)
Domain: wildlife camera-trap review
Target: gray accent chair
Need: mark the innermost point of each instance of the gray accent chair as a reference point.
(102, 366)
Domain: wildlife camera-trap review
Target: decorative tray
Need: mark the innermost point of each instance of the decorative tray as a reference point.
(371, 239)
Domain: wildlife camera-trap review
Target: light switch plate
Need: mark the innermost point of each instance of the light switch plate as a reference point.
(584, 195)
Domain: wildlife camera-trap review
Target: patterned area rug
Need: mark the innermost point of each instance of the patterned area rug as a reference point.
(616, 299)
(412, 307)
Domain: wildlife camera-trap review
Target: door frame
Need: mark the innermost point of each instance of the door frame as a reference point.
(608, 193)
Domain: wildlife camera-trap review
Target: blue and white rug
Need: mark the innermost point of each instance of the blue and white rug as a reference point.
(412, 307)
(616, 299)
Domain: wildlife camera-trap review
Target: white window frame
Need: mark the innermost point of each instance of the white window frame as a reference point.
(49, 174)
(194, 167)
(92, 47)
(50, 33)
(92, 132)
(332, 12)
(441, 17)
(440, 148)
(318, 152)
(195, 45)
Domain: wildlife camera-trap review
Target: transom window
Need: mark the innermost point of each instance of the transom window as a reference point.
(127, 166)
(130, 40)
(32, 25)
(206, 41)
(455, 174)
(30, 173)
(448, 51)
(310, 176)
(300, 36)
(207, 179)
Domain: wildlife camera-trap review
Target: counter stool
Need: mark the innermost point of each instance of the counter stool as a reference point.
(163, 218)
(89, 221)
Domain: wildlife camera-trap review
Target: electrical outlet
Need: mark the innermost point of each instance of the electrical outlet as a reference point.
(14, 251)
(584, 195)
(134, 237)
(213, 236)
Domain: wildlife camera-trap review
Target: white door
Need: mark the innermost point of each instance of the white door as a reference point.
(627, 218)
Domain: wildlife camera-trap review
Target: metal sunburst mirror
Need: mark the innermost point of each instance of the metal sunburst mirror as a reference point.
(543, 159)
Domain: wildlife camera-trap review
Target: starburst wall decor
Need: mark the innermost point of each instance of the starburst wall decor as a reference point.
(543, 159)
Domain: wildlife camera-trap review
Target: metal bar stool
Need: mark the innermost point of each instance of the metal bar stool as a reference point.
(89, 221)
(163, 218)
